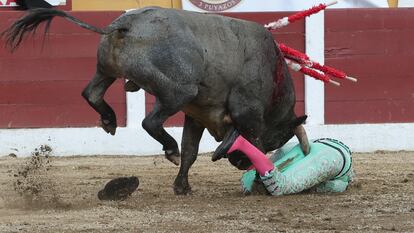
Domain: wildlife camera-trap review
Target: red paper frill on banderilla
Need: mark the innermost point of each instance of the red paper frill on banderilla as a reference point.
(301, 62)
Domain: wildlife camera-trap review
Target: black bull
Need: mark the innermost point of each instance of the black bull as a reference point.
(225, 74)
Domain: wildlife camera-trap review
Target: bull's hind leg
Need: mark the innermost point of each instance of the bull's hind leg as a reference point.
(189, 149)
(167, 104)
(94, 93)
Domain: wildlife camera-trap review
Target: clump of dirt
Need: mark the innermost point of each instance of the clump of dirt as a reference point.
(34, 183)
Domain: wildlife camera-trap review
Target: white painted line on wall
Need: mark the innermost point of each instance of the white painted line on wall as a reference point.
(135, 109)
(314, 89)
(127, 141)
(405, 3)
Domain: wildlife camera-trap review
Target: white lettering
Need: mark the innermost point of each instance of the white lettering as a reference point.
(6, 3)
(216, 7)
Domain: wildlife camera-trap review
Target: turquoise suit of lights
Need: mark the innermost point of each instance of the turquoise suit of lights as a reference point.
(327, 168)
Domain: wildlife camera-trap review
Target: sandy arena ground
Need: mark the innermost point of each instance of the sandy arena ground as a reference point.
(64, 198)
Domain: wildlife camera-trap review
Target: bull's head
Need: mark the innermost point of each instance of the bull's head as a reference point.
(274, 138)
(277, 135)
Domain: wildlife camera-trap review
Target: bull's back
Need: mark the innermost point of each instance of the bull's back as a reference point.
(231, 49)
(215, 48)
(227, 43)
(224, 43)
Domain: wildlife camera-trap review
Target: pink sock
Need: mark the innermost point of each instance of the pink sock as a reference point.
(258, 159)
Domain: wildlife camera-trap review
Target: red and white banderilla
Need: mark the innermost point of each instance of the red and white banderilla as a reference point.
(302, 59)
(298, 16)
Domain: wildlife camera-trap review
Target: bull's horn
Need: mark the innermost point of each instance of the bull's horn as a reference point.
(303, 139)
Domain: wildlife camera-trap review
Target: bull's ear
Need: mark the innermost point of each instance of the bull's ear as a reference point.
(299, 120)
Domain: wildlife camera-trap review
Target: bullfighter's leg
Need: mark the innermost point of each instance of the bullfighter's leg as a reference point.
(94, 93)
(189, 149)
(166, 105)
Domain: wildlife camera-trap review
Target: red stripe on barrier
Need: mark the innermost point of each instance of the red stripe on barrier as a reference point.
(375, 45)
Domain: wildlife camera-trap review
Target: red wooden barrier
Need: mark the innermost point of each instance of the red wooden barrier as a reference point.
(376, 46)
(42, 87)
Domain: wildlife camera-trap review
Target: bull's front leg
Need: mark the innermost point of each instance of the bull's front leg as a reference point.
(153, 124)
(171, 97)
(94, 93)
(168, 103)
(189, 149)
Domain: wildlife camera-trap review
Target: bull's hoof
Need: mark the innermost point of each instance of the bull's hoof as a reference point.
(108, 126)
(173, 156)
(182, 190)
(181, 186)
(131, 87)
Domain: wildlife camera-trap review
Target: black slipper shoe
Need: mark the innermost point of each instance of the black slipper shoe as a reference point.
(222, 149)
(119, 189)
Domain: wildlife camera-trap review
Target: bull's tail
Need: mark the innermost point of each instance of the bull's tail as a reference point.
(29, 23)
